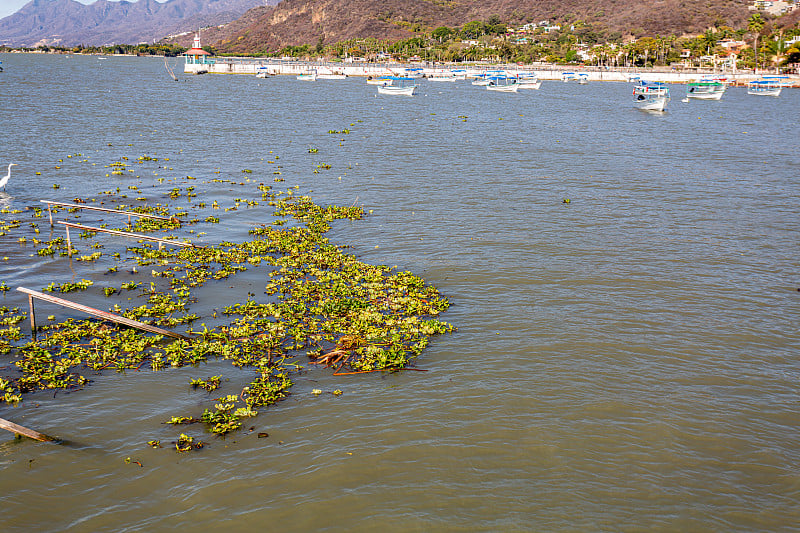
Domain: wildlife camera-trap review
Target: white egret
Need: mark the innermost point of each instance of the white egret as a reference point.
(4, 180)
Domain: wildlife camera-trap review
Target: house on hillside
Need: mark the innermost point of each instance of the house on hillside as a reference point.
(731, 45)
(774, 7)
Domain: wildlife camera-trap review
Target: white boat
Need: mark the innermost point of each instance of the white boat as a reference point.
(444, 76)
(783, 81)
(401, 85)
(383, 80)
(764, 87)
(705, 90)
(307, 76)
(502, 84)
(580, 77)
(460, 74)
(332, 76)
(263, 72)
(482, 79)
(650, 96)
(722, 78)
(527, 80)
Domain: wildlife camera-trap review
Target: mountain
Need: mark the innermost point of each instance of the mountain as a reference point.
(69, 23)
(297, 22)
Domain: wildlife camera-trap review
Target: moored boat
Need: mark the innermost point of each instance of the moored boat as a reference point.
(705, 90)
(503, 84)
(580, 77)
(782, 80)
(442, 76)
(528, 80)
(764, 87)
(383, 80)
(401, 85)
(484, 78)
(308, 76)
(650, 95)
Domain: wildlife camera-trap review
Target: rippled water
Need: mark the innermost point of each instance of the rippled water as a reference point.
(628, 361)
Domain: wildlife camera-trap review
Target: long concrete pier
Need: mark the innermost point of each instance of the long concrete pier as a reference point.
(276, 67)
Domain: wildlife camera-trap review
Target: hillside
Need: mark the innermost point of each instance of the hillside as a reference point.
(68, 23)
(296, 22)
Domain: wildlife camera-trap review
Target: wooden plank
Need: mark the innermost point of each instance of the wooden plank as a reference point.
(16, 428)
(123, 233)
(105, 315)
(107, 210)
(33, 315)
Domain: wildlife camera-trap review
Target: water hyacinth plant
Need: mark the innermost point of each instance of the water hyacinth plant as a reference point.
(319, 303)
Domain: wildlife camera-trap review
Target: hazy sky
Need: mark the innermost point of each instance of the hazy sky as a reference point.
(9, 7)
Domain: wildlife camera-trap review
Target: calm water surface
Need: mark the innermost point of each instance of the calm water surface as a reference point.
(627, 362)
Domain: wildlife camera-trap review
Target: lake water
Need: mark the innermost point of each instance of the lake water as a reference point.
(629, 361)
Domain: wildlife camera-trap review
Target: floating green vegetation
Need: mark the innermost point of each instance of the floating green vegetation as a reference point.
(208, 384)
(320, 304)
(81, 285)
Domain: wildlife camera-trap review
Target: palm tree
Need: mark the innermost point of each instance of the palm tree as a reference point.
(754, 25)
(709, 38)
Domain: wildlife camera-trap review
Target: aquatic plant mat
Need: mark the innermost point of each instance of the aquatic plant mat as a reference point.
(320, 305)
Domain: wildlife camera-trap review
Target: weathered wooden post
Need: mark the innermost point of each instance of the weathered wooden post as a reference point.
(69, 243)
(33, 316)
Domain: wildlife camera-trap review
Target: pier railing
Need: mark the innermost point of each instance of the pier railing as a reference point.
(161, 242)
(105, 315)
(105, 210)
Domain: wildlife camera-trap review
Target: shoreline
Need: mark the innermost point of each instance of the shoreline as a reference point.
(544, 71)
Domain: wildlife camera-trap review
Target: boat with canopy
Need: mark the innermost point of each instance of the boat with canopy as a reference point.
(400, 85)
(650, 95)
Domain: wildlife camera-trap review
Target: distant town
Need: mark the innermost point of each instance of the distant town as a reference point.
(756, 46)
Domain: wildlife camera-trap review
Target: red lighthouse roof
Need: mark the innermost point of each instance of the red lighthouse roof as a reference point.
(196, 50)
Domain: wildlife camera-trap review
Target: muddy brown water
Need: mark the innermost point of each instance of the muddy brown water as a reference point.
(625, 362)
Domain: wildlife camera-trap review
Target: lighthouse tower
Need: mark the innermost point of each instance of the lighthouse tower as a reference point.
(197, 60)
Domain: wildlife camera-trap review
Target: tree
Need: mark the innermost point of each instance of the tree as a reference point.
(709, 40)
(473, 30)
(645, 46)
(792, 55)
(754, 25)
(494, 25)
(442, 33)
